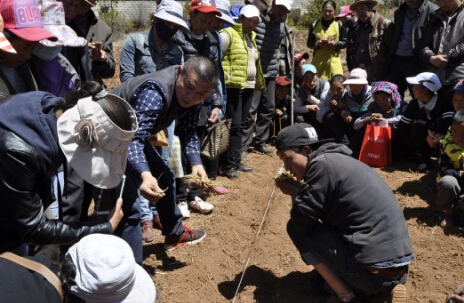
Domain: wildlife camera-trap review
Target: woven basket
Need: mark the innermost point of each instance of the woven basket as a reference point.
(216, 140)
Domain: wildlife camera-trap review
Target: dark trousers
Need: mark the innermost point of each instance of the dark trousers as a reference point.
(262, 105)
(401, 68)
(343, 132)
(238, 107)
(76, 197)
(325, 245)
(169, 213)
(414, 139)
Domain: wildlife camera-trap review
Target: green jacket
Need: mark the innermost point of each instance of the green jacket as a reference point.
(235, 61)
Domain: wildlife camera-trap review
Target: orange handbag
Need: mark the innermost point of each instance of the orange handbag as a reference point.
(376, 146)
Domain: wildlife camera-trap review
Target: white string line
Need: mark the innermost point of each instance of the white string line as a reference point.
(253, 244)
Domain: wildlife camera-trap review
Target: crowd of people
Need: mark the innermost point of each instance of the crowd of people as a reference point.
(66, 139)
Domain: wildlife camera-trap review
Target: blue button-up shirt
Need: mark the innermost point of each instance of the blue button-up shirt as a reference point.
(149, 101)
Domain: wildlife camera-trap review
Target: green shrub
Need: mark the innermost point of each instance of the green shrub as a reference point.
(120, 25)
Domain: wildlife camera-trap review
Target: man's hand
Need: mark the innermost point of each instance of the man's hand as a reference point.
(199, 170)
(288, 188)
(116, 214)
(96, 52)
(457, 295)
(333, 103)
(214, 115)
(346, 115)
(440, 61)
(311, 107)
(150, 189)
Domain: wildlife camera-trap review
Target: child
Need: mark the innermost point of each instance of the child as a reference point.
(457, 95)
(329, 102)
(451, 170)
(309, 96)
(426, 114)
(385, 108)
(332, 98)
(354, 104)
(282, 99)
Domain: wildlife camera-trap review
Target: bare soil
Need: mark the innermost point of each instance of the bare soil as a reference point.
(246, 236)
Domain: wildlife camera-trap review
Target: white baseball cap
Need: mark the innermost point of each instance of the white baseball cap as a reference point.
(286, 3)
(428, 80)
(250, 11)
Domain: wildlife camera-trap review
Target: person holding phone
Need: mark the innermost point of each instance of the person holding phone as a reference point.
(90, 132)
(326, 39)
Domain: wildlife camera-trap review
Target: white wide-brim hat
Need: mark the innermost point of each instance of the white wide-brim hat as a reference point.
(357, 76)
(172, 11)
(94, 146)
(224, 7)
(106, 271)
(53, 21)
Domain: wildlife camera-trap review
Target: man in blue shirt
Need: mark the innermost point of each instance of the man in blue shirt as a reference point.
(158, 99)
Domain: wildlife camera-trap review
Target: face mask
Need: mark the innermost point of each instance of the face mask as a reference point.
(46, 53)
(163, 31)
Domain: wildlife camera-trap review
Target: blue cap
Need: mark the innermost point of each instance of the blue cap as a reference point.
(308, 68)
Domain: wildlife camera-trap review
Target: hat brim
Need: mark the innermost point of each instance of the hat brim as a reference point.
(353, 6)
(143, 289)
(33, 34)
(412, 80)
(206, 9)
(165, 15)
(227, 18)
(66, 37)
(355, 81)
(342, 15)
(283, 83)
(103, 163)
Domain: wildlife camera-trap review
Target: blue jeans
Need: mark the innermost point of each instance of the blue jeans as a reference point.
(169, 213)
(325, 245)
(149, 209)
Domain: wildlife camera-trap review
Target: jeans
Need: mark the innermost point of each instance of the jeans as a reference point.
(149, 209)
(169, 213)
(325, 245)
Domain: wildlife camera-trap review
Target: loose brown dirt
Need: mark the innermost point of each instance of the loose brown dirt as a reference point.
(274, 273)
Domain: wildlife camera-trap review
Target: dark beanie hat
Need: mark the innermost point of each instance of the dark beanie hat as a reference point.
(297, 135)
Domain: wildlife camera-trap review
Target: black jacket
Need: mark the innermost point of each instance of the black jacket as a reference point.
(29, 157)
(348, 196)
(426, 12)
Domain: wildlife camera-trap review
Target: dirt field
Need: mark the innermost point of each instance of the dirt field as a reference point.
(274, 272)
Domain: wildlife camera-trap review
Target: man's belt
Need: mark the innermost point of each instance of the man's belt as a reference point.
(391, 273)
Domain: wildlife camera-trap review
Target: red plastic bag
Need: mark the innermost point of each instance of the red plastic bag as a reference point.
(376, 146)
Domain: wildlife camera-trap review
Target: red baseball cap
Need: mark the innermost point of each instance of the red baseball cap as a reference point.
(22, 18)
(283, 81)
(298, 57)
(344, 10)
(205, 6)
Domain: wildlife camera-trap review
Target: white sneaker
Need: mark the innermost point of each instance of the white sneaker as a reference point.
(201, 206)
(183, 206)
